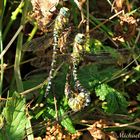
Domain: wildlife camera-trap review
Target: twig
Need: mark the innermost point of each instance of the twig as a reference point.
(38, 86)
(102, 23)
(11, 41)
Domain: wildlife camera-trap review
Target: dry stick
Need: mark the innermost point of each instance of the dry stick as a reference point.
(40, 85)
(118, 74)
(133, 54)
(30, 60)
(117, 125)
(55, 100)
(129, 125)
(11, 41)
(56, 108)
(136, 40)
(5, 99)
(81, 10)
(87, 26)
(106, 21)
(23, 62)
(33, 89)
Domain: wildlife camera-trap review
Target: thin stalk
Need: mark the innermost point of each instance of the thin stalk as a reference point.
(13, 18)
(11, 41)
(87, 26)
(118, 74)
(18, 56)
(101, 25)
(1, 65)
(31, 35)
(29, 130)
(17, 64)
(24, 93)
(19, 50)
(2, 8)
(87, 29)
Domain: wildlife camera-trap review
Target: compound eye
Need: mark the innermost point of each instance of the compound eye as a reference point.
(80, 38)
(64, 12)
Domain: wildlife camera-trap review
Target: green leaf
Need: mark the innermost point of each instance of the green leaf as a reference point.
(33, 80)
(1, 121)
(66, 122)
(59, 82)
(114, 101)
(50, 112)
(90, 75)
(15, 119)
(138, 97)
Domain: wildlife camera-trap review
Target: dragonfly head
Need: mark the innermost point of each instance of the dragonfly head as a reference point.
(64, 12)
(80, 39)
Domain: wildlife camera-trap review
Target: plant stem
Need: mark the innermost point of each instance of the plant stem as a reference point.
(2, 8)
(1, 66)
(19, 50)
(13, 18)
(11, 41)
(33, 32)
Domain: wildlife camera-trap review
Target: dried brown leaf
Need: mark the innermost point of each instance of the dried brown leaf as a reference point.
(43, 11)
(125, 29)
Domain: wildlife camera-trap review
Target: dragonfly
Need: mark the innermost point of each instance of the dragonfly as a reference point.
(60, 23)
(80, 97)
(41, 48)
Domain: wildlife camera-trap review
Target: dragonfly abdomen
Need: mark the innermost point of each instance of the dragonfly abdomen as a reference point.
(80, 97)
(60, 24)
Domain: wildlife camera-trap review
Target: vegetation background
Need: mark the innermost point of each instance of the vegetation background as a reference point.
(110, 70)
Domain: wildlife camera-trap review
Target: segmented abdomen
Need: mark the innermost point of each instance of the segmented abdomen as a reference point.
(80, 97)
(60, 23)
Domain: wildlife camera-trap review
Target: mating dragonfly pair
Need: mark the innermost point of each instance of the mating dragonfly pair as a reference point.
(79, 97)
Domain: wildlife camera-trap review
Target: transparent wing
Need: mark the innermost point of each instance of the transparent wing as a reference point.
(38, 44)
(45, 41)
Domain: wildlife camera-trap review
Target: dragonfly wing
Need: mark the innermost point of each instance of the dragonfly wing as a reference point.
(37, 44)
